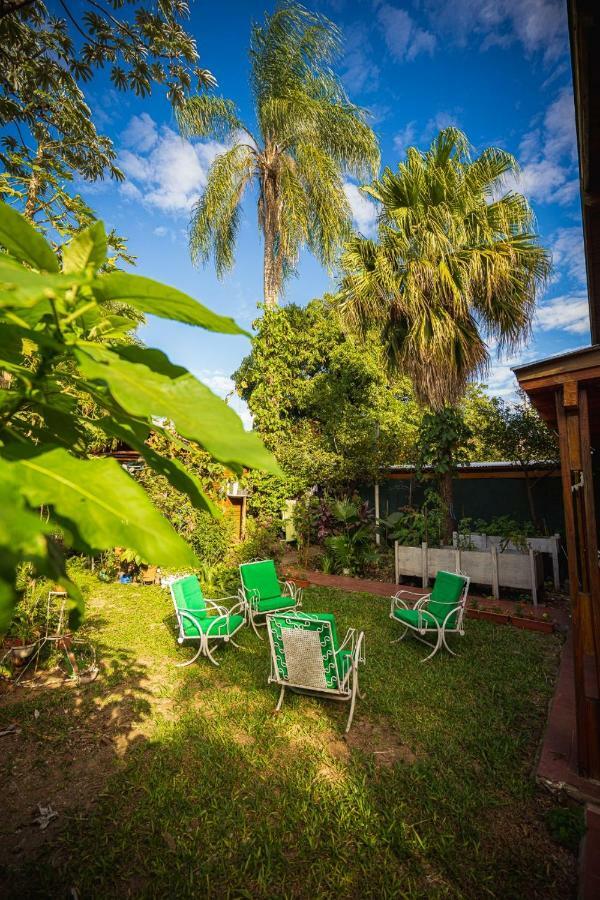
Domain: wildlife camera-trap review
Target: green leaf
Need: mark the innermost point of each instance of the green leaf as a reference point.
(23, 242)
(88, 248)
(172, 469)
(159, 300)
(106, 506)
(145, 383)
(23, 287)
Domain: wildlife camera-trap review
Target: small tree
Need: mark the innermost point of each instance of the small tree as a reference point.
(443, 444)
(516, 433)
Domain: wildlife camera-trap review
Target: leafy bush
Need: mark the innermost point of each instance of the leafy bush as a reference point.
(211, 538)
(410, 526)
(567, 826)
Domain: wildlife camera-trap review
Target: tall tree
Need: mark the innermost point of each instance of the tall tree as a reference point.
(307, 137)
(455, 268)
(45, 61)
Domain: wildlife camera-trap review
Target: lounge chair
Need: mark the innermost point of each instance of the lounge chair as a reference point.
(204, 620)
(437, 614)
(263, 593)
(306, 656)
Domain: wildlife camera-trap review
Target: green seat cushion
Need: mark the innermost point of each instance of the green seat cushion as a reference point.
(411, 617)
(215, 626)
(187, 594)
(445, 596)
(261, 577)
(264, 606)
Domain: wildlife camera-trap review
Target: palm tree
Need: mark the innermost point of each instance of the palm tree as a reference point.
(308, 136)
(455, 269)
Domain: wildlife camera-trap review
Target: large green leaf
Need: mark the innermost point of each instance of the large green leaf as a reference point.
(88, 248)
(106, 506)
(145, 383)
(23, 287)
(23, 242)
(172, 469)
(159, 300)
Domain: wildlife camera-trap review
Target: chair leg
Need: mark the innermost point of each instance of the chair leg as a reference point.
(280, 701)
(255, 627)
(352, 702)
(446, 644)
(209, 654)
(192, 660)
(438, 644)
(401, 638)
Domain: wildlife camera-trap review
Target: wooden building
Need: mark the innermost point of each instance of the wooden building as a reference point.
(566, 392)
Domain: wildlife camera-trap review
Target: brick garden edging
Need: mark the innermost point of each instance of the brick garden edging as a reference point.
(501, 612)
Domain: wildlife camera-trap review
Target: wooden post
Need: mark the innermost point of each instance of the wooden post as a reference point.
(424, 565)
(396, 563)
(533, 572)
(457, 560)
(377, 535)
(582, 550)
(495, 574)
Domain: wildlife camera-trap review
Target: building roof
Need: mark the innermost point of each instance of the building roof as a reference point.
(487, 467)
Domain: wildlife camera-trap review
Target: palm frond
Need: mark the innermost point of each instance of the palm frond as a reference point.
(206, 115)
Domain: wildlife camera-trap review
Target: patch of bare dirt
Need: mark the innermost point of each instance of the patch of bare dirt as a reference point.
(378, 740)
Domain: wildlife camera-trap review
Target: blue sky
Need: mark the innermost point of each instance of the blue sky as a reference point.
(499, 69)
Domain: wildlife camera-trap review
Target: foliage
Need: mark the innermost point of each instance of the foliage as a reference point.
(443, 442)
(345, 529)
(45, 62)
(508, 529)
(457, 263)
(517, 433)
(58, 341)
(322, 402)
(411, 526)
(307, 137)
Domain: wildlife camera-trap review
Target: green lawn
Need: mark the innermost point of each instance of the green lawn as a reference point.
(184, 783)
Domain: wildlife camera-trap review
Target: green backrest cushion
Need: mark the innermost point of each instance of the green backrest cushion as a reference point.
(188, 595)
(262, 577)
(445, 595)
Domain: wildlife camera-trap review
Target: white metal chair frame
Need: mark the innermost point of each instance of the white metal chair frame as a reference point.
(425, 623)
(251, 596)
(222, 612)
(348, 689)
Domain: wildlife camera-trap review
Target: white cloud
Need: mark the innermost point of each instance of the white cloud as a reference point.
(161, 231)
(360, 73)
(441, 120)
(405, 138)
(165, 170)
(569, 313)
(548, 155)
(141, 133)
(222, 385)
(404, 39)
(539, 25)
(364, 211)
(567, 253)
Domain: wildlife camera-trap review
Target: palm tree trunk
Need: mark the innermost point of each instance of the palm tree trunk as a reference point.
(271, 213)
(269, 269)
(447, 495)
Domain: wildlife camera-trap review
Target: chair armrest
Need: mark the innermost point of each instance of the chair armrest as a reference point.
(238, 609)
(249, 596)
(187, 615)
(350, 636)
(228, 597)
(456, 609)
(424, 600)
(358, 653)
(293, 591)
(216, 607)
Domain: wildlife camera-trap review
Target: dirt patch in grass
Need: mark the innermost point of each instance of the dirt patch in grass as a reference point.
(378, 740)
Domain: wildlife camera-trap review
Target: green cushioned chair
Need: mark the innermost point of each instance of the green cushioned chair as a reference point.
(263, 593)
(203, 620)
(436, 614)
(307, 656)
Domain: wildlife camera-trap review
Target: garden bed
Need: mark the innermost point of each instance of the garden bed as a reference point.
(171, 782)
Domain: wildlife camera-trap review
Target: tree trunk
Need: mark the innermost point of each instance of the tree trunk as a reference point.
(269, 270)
(531, 501)
(272, 271)
(447, 495)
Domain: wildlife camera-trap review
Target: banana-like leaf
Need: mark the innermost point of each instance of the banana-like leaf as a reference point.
(159, 300)
(145, 383)
(175, 472)
(88, 248)
(104, 504)
(23, 287)
(23, 242)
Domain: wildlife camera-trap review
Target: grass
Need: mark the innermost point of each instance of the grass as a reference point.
(184, 783)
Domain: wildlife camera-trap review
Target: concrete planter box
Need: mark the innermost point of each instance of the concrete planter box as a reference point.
(549, 545)
(511, 569)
